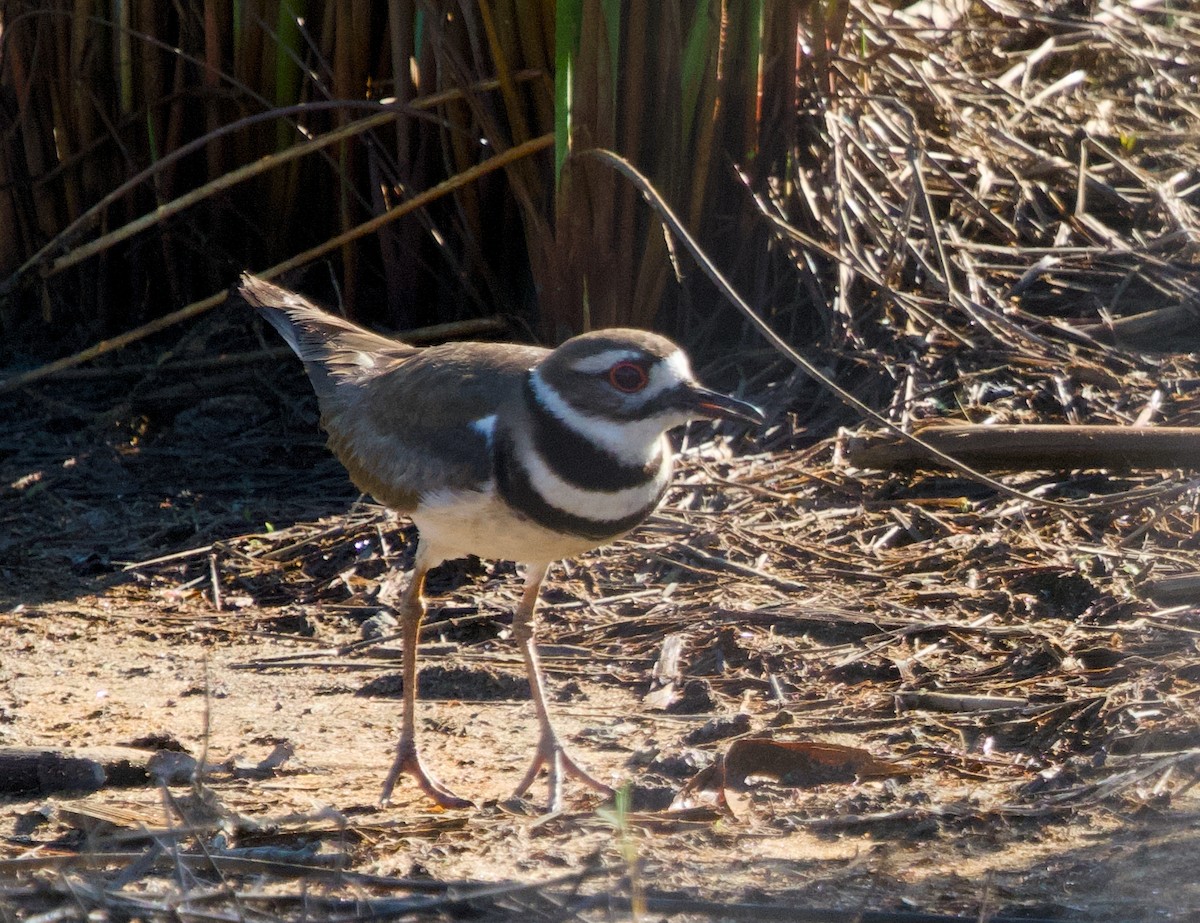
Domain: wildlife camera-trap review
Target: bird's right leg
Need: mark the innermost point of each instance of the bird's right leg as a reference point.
(412, 611)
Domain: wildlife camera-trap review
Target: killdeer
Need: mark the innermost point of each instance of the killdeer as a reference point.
(497, 450)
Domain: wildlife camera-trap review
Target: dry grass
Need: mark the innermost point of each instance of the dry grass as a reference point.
(974, 210)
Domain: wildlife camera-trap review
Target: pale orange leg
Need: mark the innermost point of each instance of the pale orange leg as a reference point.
(550, 751)
(408, 761)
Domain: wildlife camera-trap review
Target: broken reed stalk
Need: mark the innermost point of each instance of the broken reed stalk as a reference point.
(1035, 447)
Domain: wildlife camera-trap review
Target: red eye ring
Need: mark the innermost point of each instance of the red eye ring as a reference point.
(628, 377)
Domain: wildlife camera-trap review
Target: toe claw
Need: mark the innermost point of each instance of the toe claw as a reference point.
(408, 762)
(559, 765)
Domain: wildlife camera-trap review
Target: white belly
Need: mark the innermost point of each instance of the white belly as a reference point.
(457, 524)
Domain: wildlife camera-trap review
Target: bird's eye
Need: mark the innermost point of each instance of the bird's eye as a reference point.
(628, 377)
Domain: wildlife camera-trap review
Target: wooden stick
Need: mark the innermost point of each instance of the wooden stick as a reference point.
(1035, 448)
(1154, 330)
(58, 769)
(1182, 589)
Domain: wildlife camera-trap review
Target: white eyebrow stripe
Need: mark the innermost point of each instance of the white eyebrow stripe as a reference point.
(668, 373)
(602, 362)
(665, 373)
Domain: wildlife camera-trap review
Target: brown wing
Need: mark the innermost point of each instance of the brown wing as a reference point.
(399, 417)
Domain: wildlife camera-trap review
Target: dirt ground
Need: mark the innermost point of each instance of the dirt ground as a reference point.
(1007, 727)
(833, 694)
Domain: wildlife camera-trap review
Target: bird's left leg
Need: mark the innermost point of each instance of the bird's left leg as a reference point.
(550, 751)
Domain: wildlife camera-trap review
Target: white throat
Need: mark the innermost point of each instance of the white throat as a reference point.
(633, 442)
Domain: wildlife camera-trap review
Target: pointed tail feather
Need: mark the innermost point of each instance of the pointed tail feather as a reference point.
(334, 350)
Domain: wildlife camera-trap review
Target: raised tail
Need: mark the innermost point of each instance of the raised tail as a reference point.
(334, 350)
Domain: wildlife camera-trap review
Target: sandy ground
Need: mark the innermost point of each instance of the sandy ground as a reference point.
(1042, 813)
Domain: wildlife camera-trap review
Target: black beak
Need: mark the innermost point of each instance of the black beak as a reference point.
(717, 406)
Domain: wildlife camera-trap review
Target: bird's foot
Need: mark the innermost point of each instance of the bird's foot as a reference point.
(407, 762)
(551, 754)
